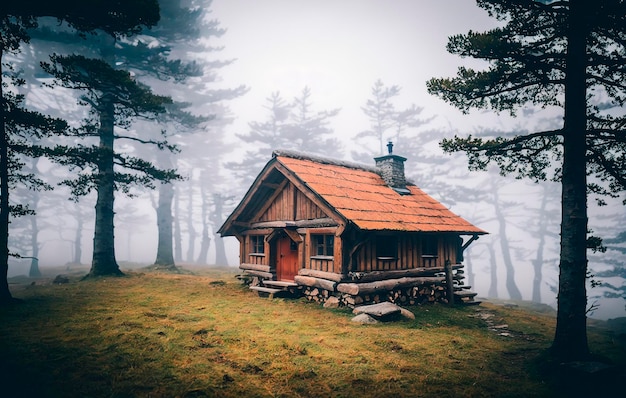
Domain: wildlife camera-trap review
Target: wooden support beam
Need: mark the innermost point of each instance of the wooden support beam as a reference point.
(315, 282)
(356, 289)
(260, 274)
(360, 277)
(255, 267)
(315, 223)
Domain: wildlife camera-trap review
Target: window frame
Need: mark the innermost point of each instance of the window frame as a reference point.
(428, 244)
(327, 245)
(389, 246)
(256, 242)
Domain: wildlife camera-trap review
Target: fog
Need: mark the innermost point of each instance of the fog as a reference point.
(339, 49)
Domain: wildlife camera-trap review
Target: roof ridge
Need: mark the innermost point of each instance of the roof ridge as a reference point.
(324, 160)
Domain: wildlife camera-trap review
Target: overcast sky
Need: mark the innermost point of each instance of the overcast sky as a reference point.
(339, 48)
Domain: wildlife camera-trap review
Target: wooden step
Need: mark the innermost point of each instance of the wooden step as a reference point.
(281, 284)
(462, 287)
(262, 291)
(465, 294)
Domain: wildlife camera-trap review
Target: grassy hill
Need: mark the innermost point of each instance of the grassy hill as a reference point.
(200, 333)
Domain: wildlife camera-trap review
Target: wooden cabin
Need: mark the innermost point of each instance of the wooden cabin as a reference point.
(334, 230)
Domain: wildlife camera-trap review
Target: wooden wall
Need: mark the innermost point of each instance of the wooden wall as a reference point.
(290, 204)
(409, 254)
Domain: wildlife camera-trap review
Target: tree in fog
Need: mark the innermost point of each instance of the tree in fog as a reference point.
(185, 36)
(289, 125)
(111, 16)
(499, 206)
(567, 54)
(262, 137)
(114, 99)
(387, 123)
(542, 226)
(607, 265)
(155, 57)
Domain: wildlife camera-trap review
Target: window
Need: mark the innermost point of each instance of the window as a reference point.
(257, 244)
(323, 245)
(429, 246)
(387, 247)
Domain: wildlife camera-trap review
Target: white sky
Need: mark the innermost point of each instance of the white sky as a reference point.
(339, 48)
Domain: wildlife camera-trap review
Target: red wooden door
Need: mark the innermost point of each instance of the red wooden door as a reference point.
(286, 259)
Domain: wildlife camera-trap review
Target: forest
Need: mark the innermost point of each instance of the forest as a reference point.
(123, 145)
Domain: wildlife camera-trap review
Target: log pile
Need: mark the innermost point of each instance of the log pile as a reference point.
(403, 287)
(413, 295)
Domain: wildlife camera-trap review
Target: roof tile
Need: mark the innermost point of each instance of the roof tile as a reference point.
(361, 196)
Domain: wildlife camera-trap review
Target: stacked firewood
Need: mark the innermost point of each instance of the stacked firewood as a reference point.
(405, 296)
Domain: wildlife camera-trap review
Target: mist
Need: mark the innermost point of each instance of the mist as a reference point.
(273, 57)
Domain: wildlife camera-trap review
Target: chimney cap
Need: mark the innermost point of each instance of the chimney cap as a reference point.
(390, 147)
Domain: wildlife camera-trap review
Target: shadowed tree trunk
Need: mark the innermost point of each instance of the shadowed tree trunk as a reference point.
(103, 261)
(5, 294)
(570, 340)
(165, 253)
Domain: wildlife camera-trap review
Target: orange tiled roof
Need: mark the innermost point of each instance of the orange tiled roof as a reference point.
(361, 196)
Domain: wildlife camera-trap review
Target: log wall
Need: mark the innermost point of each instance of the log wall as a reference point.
(290, 204)
(409, 254)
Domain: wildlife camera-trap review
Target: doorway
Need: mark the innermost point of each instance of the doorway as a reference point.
(286, 258)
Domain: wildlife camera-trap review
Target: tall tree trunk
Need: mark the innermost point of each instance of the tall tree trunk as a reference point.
(205, 239)
(570, 339)
(191, 249)
(78, 247)
(205, 245)
(541, 233)
(220, 251)
(5, 294)
(217, 219)
(165, 252)
(178, 238)
(493, 270)
(34, 271)
(103, 262)
(511, 286)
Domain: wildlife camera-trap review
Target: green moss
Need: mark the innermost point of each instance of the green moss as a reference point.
(202, 334)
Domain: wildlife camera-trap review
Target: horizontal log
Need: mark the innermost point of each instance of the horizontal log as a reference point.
(260, 274)
(382, 275)
(315, 282)
(389, 284)
(317, 222)
(331, 276)
(255, 267)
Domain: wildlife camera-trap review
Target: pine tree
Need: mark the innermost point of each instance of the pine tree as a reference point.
(114, 17)
(115, 99)
(565, 54)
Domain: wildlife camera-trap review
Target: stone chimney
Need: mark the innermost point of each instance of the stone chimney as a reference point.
(392, 169)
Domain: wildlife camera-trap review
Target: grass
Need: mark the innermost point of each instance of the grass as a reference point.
(152, 334)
